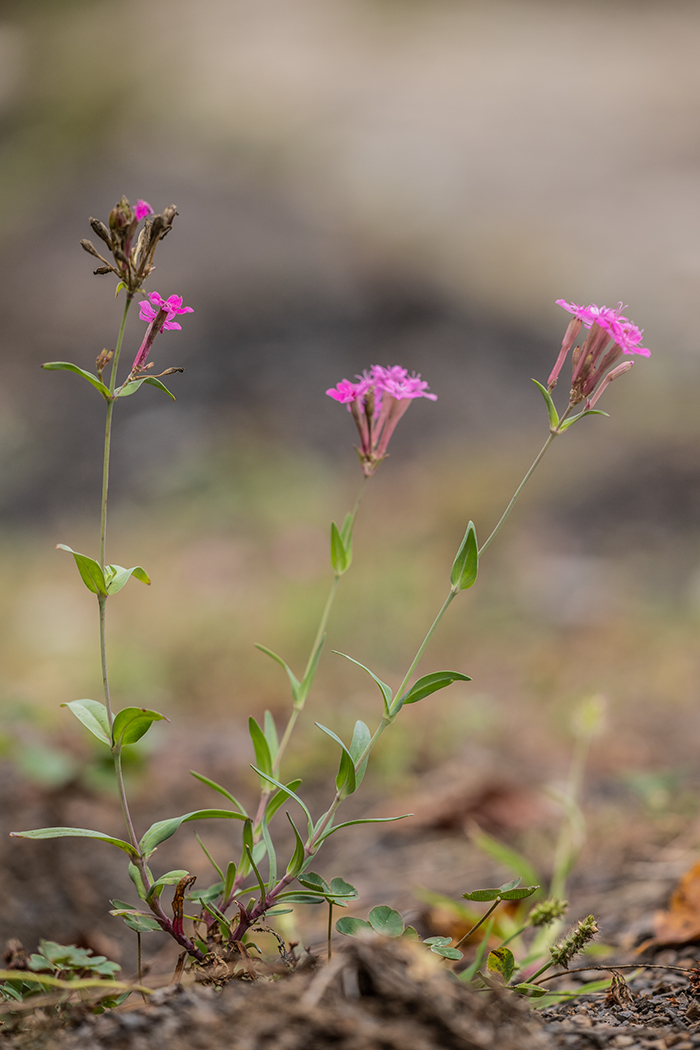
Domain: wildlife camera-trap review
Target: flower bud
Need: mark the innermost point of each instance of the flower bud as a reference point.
(548, 911)
(102, 232)
(121, 215)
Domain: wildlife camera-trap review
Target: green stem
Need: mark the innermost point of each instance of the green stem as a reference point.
(517, 492)
(108, 432)
(541, 970)
(476, 925)
(102, 602)
(423, 646)
(125, 809)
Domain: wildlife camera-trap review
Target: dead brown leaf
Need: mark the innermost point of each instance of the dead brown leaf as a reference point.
(681, 923)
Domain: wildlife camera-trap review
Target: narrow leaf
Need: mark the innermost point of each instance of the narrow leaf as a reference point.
(361, 737)
(345, 780)
(341, 556)
(466, 564)
(308, 680)
(90, 570)
(229, 880)
(209, 857)
(313, 881)
(74, 833)
(279, 798)
(131, 724)
(152, 381)
(261, 882)
(130, 388)
(430, 683)
(55, 366)
(588, 412)
(170, 878)
(222, 790)
(270, 731)
(289, 792)
(299, 856)
(365, 820)
(385, 690)
(163, 829)
(295, 683)
(262, 751)
(536, 991)
(271, 854)
(94, 717)
(551, 409)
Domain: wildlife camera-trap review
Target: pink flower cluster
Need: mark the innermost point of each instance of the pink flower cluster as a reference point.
(377, 401)
(172, 306)
(611, 336)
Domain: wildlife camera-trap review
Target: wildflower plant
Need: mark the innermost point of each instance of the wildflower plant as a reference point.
(253, 885)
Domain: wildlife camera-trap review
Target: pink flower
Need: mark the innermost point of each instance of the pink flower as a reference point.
(611, 335)
(172, 306)
(142, 209)
(377, 402)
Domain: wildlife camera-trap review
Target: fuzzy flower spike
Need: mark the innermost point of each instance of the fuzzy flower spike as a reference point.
(377, 401)
(595, 363)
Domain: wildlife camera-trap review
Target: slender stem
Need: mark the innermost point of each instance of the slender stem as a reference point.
(120, 340)
(102, 602)
(541, 970)
(424, 644)
(517, 492)
(125, 806)
(476, 925)
(330, 928)
(108, 431)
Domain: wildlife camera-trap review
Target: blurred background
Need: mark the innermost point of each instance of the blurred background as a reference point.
(361, 181)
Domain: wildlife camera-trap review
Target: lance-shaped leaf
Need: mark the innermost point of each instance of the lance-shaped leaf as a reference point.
(131, 724)
(270, 731)
(90, 571)
(466, 564)
(587, 412)
(551, 409)
(279, 798)
(384, 688)
(308, 679)
(222, 790)
(261, 747)
(294, 681)
(361, 739)
(299, 856)
(171, 878)
(152, 381)
(345, 781)
(55, 366)
(290, 792)
(116, 576)
(74, 833)
(271, 854)
(94, 717)
(501, 961)
(163, 829)
(141, 884)
(365, 820)
(341, 551)
(536, 991)
(430, 683)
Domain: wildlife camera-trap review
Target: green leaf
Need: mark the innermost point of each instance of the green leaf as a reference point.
(313, 881)
(430, 683)
(386, 921)
(346, 531)
(270, 731)
(365, 820)
(299, 856)
(208, 893)
(351, 926)
(261, 882)
(209, 857)
(121, 287)
(466, 564)
(341, 890)
(116, 576)
(222, 790)
(163, 829)
(361, 737)
(171, 878)
(446, 952)
(279, 798)
(271, 854)
(345, 780)
(138, 880)
(501, 961)
(551, 409)
(587, 412)
(341, 554)
(509, 891)
(533, 991)
(294, 681)
(510, 858)
(74, 833)
(94, 717)
(90, 570)
(152, 381)
(384, 688)
(260, 745)
(130, 388)
(308, 680)
(229, 880)
(290, 792)
(142, 923)
(132, 722)
(55, 366)
(410, 933)
(297, 897)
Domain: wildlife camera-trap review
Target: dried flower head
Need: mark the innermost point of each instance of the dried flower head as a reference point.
(132, 255)
(377, 401)
(611, 335)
